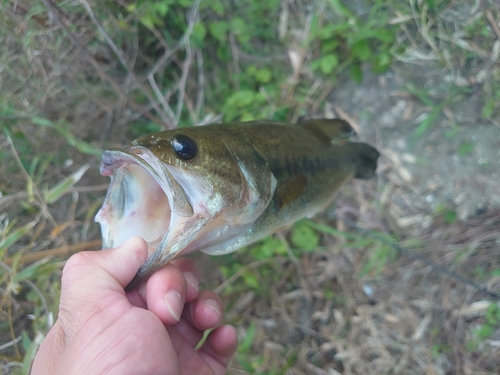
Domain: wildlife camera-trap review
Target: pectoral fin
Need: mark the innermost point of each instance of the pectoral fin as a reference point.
(290, 190)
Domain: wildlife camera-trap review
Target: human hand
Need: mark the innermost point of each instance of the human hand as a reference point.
(152, 330)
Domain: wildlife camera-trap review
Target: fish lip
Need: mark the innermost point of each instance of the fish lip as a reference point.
(179, 206)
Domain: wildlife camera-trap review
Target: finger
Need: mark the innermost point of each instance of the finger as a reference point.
(219, 348)
(198, 317)
(137, 296)
(166, 294)
(192, 276)
(204, 312)
(106, 269)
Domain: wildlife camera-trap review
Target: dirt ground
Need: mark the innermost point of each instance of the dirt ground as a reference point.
(410, 319)
(430, 170)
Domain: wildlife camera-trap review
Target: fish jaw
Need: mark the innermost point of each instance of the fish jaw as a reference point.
(143, 200)
(175, 211)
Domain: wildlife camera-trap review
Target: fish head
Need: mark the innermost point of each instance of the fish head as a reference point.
(168, 188)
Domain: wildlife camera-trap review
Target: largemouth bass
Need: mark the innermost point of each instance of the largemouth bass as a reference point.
(217, 188)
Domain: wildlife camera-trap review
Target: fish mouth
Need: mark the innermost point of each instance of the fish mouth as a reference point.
(145, 200)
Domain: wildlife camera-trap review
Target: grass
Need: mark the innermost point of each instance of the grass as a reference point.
(88, 76)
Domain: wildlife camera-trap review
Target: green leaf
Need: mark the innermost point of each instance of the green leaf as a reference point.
(160, 8)
(356, 73)
(268, 248)
(465, 148)
(36, 270)
(247, 116)
(217, 7)
(488, 108)
(240, 30)
(238, 25)
(328, 63)
(70, 138)
(450, 216)
(483, 332)
(247, 342)
(339, 8)
(25, 341)
(384, 35)
(29, 355)
(329, 46)
(199, 32)
(493, 314)
(304, 237)
(218, 30)
(148, 20)
(242, 98)
(250, 279)
(425, 124)
(66, 184)
(421, 94)
(263, 75)
(362, 50)
(14, 236)
(185, 3)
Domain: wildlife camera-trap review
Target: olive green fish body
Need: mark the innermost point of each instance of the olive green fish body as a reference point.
(217, 188)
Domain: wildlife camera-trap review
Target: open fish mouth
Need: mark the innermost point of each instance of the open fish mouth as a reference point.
(145, 200)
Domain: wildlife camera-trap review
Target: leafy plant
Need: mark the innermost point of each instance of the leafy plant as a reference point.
(347, 41)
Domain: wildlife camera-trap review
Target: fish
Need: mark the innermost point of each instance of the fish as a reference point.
(220, 187)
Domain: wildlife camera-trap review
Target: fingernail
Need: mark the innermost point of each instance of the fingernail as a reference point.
(173, 301)
(191, 280)
(214, 305)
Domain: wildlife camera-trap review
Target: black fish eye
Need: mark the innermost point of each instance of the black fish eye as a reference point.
(184, 147)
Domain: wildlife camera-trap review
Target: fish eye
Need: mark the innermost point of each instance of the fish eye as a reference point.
(184, 147)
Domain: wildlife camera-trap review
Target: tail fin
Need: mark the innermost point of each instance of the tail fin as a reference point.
(365, 158)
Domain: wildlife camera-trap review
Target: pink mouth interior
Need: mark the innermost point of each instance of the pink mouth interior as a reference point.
(136, 206)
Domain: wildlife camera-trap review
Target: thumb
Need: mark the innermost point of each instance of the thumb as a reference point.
(110, 268)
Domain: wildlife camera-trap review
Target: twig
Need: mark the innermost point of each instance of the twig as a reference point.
(200, 95)
(342, 114)
(309, 94)
(118, 54)
(413, 255)
(161, 98)
(306, 330)
(185, 39)
(236, 62)
(79, 189)
(300, 270)
(39, 198)
(53, 11)
(328, 87)
(424, 27)
(182, 84)
(58, 251)
(259, 59)
(10, 343)
(302, 55)
(493, 23)
(240, 272)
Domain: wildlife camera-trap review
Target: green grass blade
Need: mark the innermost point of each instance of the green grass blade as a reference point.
(65, 185)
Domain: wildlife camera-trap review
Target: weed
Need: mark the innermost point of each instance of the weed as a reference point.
(85, 80)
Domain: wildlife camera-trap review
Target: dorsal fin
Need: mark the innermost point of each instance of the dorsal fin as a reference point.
(328, 131)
